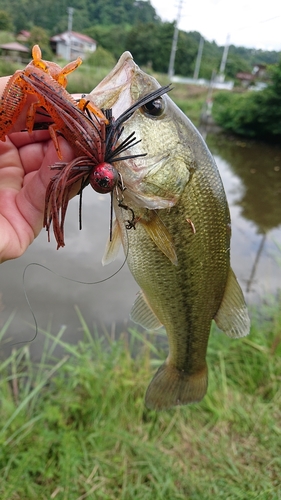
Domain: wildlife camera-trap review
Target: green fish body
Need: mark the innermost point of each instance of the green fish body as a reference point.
(179, 249)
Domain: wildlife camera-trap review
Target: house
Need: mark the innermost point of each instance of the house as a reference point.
(23, 36)
(14, 51)
(245, 79)
(249, 79)
(259, 70)
(70, 45)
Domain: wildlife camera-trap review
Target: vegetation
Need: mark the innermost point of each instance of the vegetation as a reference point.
(252, 114)
(6, 23)
(101, 58)
(77, 427)
(53, 16)
(119, 25)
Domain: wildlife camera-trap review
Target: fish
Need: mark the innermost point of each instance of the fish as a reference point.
(177, 239)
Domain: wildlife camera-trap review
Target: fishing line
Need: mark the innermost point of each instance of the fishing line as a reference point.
(36, 264)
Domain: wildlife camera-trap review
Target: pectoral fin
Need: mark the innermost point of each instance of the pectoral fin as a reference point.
(232, 316)
(160, 235)
(112, 247)
(143, 315)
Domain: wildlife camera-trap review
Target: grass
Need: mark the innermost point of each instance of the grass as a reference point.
(77, 428)
(85, 78)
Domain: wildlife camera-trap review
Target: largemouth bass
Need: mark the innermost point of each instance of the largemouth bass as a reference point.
(178, 244)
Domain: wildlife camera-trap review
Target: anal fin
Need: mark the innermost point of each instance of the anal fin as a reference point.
(232, 317)
(143, 315)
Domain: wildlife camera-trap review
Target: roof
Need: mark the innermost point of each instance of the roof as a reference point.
(63, 36)
(25, 33)
(15, 46)
(245, 76)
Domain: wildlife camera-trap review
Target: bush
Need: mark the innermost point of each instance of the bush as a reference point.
(101, 58)
(253, 114)
(8, 67)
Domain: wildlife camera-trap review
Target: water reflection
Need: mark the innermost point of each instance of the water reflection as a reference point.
(259, 168)
(252, 177)
(251, 174)
(52, 298)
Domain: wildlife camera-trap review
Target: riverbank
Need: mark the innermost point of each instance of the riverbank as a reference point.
(76, 427)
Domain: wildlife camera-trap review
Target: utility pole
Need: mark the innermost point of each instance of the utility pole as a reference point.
(171, 70)
(199, 57)
(224, 58)
(70, 11)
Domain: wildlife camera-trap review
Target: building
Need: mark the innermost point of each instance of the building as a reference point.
(23, 36)
(245, 79)
(15, 51)
(70, 45)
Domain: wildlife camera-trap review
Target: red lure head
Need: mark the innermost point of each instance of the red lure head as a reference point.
(103, 178)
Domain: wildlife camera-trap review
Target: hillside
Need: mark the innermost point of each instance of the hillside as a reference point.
(119, 25)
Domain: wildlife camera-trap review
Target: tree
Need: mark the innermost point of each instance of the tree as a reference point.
(111, 38)
(253, 114)
(39, 36)
(101, 57)
(151, 44)
(145, 13)
(186, 54)
(6, 23)
(236, 64)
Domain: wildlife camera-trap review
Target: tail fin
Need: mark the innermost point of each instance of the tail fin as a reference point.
(171, 387)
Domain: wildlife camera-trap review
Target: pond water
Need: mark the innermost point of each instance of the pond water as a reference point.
(251, 174)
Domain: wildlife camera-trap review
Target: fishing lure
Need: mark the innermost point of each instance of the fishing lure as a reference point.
(93, 133)
(95, 138)
(15, 93)
(20, 85)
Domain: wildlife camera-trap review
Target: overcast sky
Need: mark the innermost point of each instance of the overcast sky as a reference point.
(252, 23)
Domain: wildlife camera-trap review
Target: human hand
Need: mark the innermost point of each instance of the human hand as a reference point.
(25, 161)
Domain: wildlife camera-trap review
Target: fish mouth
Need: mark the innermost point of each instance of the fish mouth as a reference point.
(114, 90)
(121, 88)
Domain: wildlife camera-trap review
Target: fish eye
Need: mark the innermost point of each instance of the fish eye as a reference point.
(154, 108)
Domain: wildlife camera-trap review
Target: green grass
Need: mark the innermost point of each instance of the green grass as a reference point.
(85, 78)
(77, 427)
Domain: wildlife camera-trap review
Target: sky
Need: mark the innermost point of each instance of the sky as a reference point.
(252, 23)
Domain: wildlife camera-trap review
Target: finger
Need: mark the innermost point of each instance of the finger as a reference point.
(31, 199)
(3, 82)
(20, 139)
(11, 171)
(35, 154)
